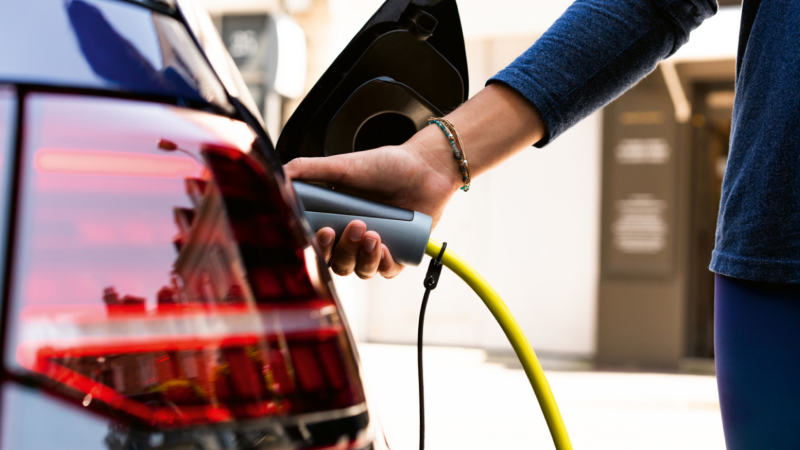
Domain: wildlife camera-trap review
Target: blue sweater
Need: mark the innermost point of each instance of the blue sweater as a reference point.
(600, 48)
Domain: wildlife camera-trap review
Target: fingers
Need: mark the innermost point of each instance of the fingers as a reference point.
(388, 268)
(345, 255)
(359, 251)
(328, 170)
(369, 256)
(325, 237)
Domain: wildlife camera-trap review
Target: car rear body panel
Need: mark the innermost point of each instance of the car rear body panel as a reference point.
(161, 286)
(240, 344)
(172, 292)
(105, 45)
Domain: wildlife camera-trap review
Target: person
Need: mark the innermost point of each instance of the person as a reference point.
(594, 52)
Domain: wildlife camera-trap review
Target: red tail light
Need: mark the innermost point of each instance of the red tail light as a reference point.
(171, 289)
(194, 379)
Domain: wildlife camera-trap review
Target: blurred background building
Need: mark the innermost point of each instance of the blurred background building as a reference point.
(599, 242)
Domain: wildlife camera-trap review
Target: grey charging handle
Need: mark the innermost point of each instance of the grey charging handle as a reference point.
(404, 232)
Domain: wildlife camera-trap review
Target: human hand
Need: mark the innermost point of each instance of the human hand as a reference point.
(410, 176)
(420, 175)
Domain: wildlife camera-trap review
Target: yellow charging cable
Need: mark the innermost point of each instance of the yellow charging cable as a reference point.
(515, 336)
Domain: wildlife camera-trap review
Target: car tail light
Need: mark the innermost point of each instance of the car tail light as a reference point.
(167, 289)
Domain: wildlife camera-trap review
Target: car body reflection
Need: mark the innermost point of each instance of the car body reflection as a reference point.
(191, 298)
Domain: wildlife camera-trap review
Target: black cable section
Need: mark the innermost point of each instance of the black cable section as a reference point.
(419, 371)
(14, 158)
(431, 280)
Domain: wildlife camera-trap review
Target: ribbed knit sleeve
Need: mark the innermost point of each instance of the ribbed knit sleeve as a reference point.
(595, 51)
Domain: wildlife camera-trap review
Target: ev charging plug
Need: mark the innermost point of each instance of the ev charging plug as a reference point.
(404, 232)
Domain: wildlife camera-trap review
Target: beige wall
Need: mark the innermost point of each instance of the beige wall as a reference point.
(530, 227)
(316, 23)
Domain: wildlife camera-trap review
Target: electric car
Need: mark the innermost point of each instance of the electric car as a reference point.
(161, 287)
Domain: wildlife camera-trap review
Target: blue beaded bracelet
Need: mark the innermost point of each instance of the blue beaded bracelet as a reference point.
(452, 136)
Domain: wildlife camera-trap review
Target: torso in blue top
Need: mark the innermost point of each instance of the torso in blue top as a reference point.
(599, 48)
(758, 231)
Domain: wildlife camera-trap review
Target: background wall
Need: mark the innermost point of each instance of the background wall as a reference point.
(530, 226)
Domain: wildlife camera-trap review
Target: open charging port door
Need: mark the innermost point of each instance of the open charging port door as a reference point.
(407, 64)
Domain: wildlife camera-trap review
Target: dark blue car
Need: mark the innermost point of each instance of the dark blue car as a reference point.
(160, 286)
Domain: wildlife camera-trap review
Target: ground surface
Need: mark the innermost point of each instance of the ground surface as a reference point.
(474, 402)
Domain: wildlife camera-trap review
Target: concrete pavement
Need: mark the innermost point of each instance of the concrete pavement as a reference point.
(473, 402)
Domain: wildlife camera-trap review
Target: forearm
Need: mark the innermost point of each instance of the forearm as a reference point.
(494, 125)
(596, 51)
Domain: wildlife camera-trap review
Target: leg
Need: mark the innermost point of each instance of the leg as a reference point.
(757, 346)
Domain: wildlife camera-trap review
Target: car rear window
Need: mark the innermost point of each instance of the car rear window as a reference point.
(160, 274)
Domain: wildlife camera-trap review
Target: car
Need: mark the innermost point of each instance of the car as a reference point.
(161, 286)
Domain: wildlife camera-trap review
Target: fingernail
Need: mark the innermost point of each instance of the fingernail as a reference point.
(383, 254)
(326, 239)
(356, 232)
(369, 244)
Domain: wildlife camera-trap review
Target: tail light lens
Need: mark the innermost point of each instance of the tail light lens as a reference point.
(171, 287)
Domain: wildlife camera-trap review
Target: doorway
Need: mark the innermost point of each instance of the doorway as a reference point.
(711, 127)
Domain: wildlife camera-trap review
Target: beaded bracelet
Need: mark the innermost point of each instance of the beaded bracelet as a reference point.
(453, 136)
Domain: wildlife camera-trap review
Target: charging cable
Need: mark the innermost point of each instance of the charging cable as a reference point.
(405, 232)
(431, 280)
(510, 327)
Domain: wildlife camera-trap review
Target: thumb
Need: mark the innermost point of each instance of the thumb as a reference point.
(326, 170)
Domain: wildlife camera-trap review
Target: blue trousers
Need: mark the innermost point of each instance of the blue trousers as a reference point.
(757, 347)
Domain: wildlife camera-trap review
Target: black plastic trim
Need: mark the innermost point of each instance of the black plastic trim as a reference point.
(10, 214)
(11, 217)
(329, 432)
(164, 7)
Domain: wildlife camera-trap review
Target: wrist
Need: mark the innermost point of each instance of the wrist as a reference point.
(433, 148)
